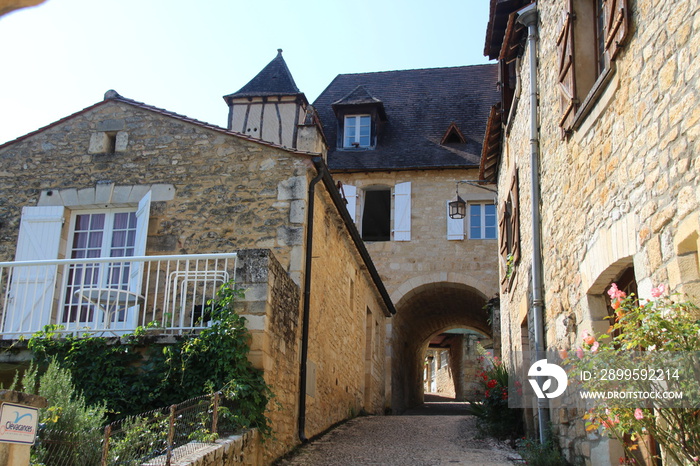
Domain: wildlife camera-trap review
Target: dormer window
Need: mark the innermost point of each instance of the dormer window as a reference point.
(360, 117)
(357, 131)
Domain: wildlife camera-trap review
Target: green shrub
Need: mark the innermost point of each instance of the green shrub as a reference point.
(118, 375)
(70, 429)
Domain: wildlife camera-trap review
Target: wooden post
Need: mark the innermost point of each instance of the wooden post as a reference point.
(105, 445)
(171, 435)
(215, 414)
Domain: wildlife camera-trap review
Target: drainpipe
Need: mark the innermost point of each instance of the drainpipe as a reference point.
(528, 17)
(307, 297)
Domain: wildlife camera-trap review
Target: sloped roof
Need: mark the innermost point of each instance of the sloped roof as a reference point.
(113, 96)
(420, 106)
(274, 79)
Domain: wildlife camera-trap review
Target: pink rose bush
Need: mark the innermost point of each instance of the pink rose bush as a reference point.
(661, 333)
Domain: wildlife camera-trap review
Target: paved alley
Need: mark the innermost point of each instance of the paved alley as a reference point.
(437, 433)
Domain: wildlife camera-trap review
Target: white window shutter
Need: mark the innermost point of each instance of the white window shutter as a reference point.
(32, 288)
(455, 226)
(136, 268)
(402, 212)
(142, 214)
(351, 196)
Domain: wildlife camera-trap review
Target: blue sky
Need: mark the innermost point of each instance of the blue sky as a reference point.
(62, 56)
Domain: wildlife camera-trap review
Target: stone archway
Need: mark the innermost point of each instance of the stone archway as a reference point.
(423, 312)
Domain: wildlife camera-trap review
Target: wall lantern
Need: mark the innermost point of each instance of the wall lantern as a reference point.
(458, 207)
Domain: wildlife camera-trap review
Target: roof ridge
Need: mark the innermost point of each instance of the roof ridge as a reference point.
(419, 69)
(112, 95)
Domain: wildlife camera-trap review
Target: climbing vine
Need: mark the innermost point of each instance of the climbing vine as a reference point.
(132, 375)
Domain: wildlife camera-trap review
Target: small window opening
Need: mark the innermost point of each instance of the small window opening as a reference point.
(376, 216)
(110, 142)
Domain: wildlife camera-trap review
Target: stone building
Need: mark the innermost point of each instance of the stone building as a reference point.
(398, 143)
(125, 179)
(603, 165)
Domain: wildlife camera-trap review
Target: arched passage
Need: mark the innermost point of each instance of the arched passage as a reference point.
(421, 314)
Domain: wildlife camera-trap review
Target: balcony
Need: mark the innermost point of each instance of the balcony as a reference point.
(111, 296)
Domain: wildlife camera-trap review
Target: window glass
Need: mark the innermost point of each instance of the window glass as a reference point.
(357, 131)
(482, 221)
(100, 234)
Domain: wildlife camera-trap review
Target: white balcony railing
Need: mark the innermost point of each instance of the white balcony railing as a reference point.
(111, 295)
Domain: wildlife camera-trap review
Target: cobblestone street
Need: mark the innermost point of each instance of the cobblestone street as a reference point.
(437, 433)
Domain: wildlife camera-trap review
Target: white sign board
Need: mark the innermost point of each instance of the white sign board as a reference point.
(18, 423)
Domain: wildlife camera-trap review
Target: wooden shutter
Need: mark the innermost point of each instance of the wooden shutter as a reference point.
(616, 25)
(402, 212)
(515, 217)
(455, 226)
(350, 193)
(31, 288)
(509, 230)
(567, 72)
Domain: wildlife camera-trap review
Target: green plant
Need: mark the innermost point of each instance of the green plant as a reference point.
(491, 405)
(130, 376)
(536, 453)
(68, 420)
(661, 334)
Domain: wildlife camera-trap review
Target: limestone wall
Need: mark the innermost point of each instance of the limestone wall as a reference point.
(429, 252)
(347, 333)
(621, 191)
(229, 192)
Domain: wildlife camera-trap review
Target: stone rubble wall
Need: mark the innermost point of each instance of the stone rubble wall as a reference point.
(621, 191)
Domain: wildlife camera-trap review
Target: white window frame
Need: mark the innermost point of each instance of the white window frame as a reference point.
(482, 216)
(355, 122)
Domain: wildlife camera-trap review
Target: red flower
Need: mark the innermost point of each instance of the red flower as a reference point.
(486, 393)
(492, 383)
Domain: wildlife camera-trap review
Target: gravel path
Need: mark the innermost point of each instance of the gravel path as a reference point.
(434, 434)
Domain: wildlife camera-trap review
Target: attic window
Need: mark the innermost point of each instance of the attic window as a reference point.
(453, 136)
(357, 131)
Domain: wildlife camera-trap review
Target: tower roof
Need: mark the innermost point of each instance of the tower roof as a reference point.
(274, 79)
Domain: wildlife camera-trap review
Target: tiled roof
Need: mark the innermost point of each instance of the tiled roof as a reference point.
(274, 79)
(420, 106)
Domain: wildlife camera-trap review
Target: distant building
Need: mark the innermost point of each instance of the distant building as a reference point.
(398, 142)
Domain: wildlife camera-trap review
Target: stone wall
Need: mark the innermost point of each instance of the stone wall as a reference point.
(621, 191)
(435, 283)
(218, 192)
(228, 192)
(346, 363)
(429, 252)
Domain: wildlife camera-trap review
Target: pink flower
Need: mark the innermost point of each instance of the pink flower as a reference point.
(594, 346)
(658, 291)
(638, 414)
(579, 353)
(615, 293)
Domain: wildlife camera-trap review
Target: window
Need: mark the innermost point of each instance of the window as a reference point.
(376, 216)
(357, 131)
(43, 295)
(98, 234)
(379, 213)
(482, 221)
(591, 36)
